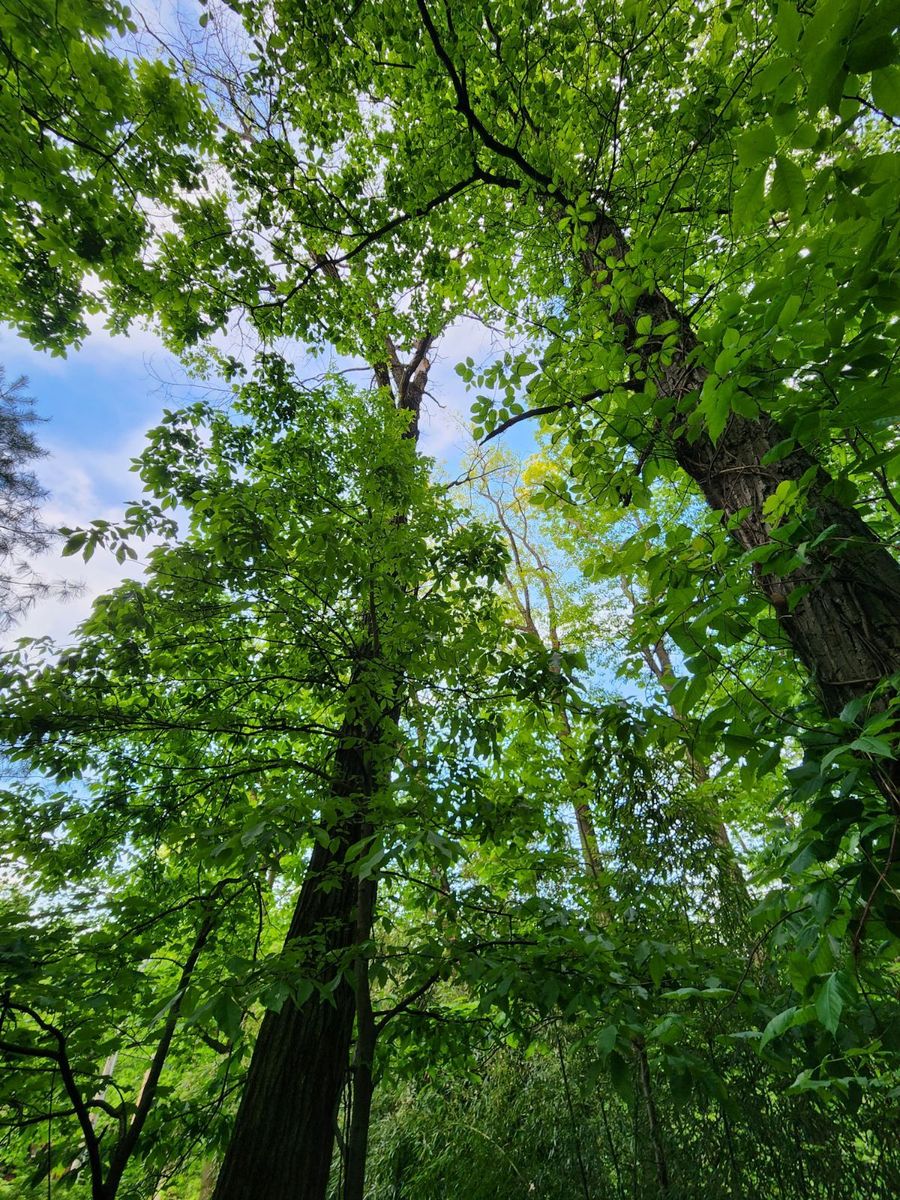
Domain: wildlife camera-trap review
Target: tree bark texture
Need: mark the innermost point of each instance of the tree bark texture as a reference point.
(840, 609)
(845, 625)
(284, 1133)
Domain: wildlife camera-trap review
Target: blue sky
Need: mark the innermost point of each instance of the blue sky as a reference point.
(98, 404)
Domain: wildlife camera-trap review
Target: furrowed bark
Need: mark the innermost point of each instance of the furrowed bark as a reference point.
(284, 1133)
(839, 609)
(283, 1137)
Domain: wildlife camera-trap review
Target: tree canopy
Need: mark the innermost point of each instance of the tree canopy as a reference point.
(531, 830)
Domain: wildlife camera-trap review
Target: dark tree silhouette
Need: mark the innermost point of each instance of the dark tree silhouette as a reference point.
(22, 532)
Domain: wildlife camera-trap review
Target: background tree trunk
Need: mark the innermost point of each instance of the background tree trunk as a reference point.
(363, 1054)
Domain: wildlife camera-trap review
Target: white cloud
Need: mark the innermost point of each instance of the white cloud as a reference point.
(102, 351)
(80, 488)
(89, 483)
(167, 16)
(468, 338)
(105, 351)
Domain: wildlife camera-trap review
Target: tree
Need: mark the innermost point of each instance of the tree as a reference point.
(300, 1058)
(22, 531)
(256, 673)
(89, 140)
(724, 417)
(684, 217)
(724, 413)
(578, 172)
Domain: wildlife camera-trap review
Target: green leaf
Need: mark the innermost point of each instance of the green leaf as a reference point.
(806, 1083)
(873, 50)
(787, 192)
(886, 90)
(620, 1073)
(715, 406)
(74, 544)
(873, 745)
(779, 1024)
(789, 24)
(823, 51)
(748, 203)
(771, 75)
(789, 311)
(831, 998)
(605, 1040)
(756, 146)
(657, 967)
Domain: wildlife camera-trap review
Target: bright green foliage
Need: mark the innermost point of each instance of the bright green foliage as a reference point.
(523, 1128)
(196, 717)
(682, 217)
(91, 145)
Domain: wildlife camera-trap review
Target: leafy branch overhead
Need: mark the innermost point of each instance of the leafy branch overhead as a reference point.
(526, 828)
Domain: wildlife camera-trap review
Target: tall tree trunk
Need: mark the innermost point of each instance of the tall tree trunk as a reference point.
(363, 1053)
(207, 1180)
(840, 609)
(659, 1152)
(660, 665)
(284, 1133)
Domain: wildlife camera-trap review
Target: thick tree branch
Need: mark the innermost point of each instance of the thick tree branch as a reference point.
(525, 416)
(407, 1002)
(476, 125)
(630, 385)
(61, 1058)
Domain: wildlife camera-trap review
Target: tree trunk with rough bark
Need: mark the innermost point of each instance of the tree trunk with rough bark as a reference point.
(840, 608)
(284, 1133)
